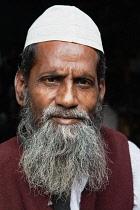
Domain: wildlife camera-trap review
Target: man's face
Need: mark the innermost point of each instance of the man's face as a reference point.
(63, 91)
(64, 75)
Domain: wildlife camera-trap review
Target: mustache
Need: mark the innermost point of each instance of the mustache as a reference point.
(65, 113)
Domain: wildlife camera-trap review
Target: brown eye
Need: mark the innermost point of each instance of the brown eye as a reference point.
(51, 79)
(84, 83)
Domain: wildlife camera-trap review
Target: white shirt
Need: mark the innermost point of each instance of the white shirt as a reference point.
(135, 162)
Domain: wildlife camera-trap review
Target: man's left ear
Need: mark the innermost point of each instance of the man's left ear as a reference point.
(102, 89)
(20, 82)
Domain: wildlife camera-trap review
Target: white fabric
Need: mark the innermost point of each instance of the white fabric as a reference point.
(76, 194)
(65, 23)
(135, 162)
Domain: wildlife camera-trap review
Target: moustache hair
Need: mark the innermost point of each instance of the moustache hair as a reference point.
(64, 113)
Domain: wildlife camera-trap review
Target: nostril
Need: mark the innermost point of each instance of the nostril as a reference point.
(67, 106)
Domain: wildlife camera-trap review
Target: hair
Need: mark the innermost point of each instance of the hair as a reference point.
(27, 60)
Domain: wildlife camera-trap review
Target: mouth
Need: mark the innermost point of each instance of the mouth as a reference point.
(65, 119)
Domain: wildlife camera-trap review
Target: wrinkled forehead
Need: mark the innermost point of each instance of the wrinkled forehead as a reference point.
(65, 54)
(64, 49)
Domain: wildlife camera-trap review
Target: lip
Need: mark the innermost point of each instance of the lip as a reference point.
(65, 120)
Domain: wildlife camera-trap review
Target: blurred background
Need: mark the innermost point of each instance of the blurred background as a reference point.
(119, 24)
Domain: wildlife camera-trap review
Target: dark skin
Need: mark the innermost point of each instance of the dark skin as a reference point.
(64, 75)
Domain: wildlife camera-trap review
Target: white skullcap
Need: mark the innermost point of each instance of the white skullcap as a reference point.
(65, 23)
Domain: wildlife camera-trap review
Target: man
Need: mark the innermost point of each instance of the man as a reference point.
(62, 157)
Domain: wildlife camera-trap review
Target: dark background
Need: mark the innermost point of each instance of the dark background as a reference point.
(119, 23)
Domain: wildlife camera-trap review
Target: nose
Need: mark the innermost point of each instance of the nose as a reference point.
(67, 97)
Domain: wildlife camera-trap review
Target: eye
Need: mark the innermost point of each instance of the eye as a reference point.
(50, 80)
(84, 83)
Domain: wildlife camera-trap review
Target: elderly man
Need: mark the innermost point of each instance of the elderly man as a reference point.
(62, 158)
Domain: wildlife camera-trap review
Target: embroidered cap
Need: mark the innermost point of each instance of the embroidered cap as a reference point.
(65, 23)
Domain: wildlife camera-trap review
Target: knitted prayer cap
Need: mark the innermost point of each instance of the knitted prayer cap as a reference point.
(65, 23)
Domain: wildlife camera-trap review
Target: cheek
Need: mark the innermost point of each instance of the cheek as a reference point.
(88, 102)
(41, 99)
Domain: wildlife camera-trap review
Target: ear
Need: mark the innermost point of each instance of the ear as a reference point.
(102, 89)
(20, 88)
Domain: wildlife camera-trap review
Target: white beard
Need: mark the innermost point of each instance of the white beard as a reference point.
(56, 156)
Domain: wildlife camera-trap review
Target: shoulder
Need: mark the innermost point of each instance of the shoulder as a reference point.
(135, 163)
(134, 152)
(9, 145)
(135, 158)
(114, 139)
(9, 150)
(117, 147)
(109, 132)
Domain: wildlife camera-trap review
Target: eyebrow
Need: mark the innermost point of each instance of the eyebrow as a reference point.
(50, 73)
(55, 74)
(85, 77)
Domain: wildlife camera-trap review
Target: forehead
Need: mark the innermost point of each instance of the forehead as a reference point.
(59, 55)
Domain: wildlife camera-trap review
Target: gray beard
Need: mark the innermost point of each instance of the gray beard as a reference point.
(56, 156)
